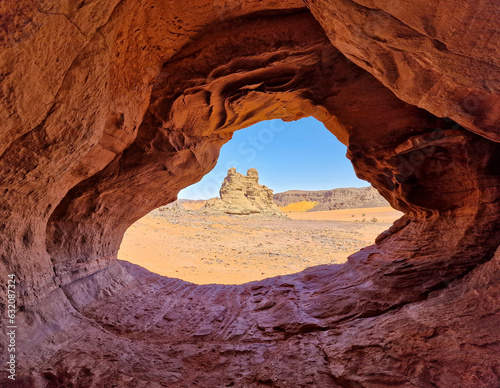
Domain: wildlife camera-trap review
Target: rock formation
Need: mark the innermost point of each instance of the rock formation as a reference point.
(109, 108)
(344, 198)
(243, 195)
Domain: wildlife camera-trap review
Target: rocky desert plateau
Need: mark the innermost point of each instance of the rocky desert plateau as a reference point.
(109, 108)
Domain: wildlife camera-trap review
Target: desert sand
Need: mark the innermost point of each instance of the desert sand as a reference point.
(369, 214)
(298, 207)
(225, 249)
(193, 205)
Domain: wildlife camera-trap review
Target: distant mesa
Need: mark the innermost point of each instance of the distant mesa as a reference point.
(243, 195)
(349, 198)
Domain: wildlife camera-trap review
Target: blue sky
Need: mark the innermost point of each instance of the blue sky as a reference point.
(300, 155)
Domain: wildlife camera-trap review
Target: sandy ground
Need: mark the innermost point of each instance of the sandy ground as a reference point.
(302, 206)
(381, 214)
(194, 205)
(233, 249)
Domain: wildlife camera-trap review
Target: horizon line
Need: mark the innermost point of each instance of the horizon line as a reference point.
(281, 192)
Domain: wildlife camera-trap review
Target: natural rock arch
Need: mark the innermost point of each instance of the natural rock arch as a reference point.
(74, 162)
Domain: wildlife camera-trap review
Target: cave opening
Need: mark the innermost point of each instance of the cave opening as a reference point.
(199, 99)
(136, 106)
(320, 212)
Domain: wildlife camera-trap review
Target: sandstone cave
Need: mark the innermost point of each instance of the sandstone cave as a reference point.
(110, 108)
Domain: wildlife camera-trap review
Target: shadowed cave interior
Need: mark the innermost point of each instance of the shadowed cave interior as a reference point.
(141, 111)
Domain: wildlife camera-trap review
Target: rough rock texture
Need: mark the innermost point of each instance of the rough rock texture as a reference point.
(243, 195)
(348, 198)
(109, 108)
(438, 55)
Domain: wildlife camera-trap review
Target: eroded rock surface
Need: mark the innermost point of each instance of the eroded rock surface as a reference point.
(343, 198)
(243, 195)
(109, 108)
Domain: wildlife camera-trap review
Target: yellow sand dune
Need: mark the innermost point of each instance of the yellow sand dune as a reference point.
(298, 207)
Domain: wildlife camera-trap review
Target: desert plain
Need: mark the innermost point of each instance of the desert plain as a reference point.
(226, 249)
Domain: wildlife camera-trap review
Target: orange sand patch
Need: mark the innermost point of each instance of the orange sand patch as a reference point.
(298, 207)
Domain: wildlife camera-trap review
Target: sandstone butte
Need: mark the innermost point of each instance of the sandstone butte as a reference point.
(243, 195)
(109, 108)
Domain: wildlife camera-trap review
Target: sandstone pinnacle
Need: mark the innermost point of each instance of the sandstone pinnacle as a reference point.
(243, 195)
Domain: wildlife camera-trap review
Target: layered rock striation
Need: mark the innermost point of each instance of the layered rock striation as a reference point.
(243, 195)
(109, 108)
(343, 198)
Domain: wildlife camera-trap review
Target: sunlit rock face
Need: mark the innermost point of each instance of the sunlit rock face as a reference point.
(243, 195)
(110, 108)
